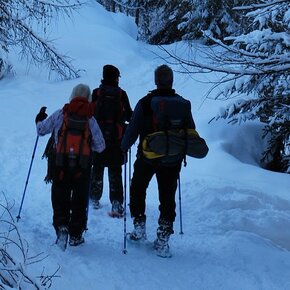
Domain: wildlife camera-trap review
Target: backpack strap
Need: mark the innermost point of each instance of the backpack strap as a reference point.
(148, 113)
(98, 102)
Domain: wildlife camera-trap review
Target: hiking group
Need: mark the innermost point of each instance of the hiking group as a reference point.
(95, 131)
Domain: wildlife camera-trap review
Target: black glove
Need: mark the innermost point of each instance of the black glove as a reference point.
(41, 115)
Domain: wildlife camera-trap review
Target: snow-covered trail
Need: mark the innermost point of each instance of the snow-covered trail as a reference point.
(230, 235)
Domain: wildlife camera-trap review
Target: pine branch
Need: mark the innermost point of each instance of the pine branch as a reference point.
(258, 6)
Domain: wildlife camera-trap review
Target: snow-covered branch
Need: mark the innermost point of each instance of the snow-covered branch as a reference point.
(254, 64)
(260, 5)
(16, 22)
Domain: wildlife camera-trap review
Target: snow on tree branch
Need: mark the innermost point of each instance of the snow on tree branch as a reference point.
(254, 64)
(261, 5)
(17, 19)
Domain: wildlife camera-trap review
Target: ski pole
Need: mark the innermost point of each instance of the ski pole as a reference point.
(21, 204)
(180, 211)
(125, 201)
(130, 167)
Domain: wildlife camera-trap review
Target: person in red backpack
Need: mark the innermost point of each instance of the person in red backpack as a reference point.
(71, 176)
(112, 111)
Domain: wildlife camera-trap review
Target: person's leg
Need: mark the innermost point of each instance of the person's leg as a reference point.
(167, 183)
(142, 175)
(60, 199)
(115, 183)
(97, 184)
(79, 203)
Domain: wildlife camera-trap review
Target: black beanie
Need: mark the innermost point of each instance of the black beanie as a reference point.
(110, 72)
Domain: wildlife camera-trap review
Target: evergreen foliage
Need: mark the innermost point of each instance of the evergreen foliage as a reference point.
(164, 22)
(254, 58)
(264, 52)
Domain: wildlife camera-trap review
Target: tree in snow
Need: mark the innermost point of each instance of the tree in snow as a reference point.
(163, 22)
(218, 17)
(24, 24)
(256, 64)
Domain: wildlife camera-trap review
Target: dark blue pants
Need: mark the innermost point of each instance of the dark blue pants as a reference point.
(69, 196)
(115, 182)
(166, 176)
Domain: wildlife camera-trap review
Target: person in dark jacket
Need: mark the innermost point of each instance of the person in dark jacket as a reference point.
(112, 111)
(70, 191)
(166, 173)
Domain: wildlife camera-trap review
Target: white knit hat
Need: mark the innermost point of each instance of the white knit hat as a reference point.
(81, 90)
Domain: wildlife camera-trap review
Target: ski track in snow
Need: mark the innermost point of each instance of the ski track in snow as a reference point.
(220, 224)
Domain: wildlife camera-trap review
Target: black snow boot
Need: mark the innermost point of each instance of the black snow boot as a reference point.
(75, 241)
(160, 245)
(139, 232)
(62, 237)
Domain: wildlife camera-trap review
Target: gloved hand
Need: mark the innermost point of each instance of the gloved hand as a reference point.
(41, 115)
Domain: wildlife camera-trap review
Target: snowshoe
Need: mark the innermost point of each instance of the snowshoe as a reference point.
(114, 214)
(75, 241)
(139, 232)
(135, 237)
(162, 249)
(160, 245)
(117, 210)
(96, 204)
(62, 237)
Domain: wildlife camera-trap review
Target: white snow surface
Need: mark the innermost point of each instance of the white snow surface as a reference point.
(235, 215)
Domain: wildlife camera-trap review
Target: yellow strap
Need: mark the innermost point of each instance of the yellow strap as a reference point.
(152, 155)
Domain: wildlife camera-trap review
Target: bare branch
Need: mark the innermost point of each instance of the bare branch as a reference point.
(16, 21)
(12, 266)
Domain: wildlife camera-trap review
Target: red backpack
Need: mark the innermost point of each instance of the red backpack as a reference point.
(109, 113)
(73, 148)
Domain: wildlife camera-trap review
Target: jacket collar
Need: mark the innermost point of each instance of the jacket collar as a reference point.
(163, 92)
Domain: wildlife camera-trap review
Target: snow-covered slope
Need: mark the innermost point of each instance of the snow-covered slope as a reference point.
(236, 216)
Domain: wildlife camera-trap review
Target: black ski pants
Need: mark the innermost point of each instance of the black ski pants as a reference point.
(115, 182)
(69, 198)
(166, 176)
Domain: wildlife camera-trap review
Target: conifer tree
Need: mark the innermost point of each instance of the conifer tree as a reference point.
(256, 64)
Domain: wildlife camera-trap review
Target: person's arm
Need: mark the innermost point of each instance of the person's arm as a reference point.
(134, 128)
(191, 123)
(127, 107)
(48, 125)
(98, 142)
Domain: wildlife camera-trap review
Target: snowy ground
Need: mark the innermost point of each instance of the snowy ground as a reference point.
(236, 216)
